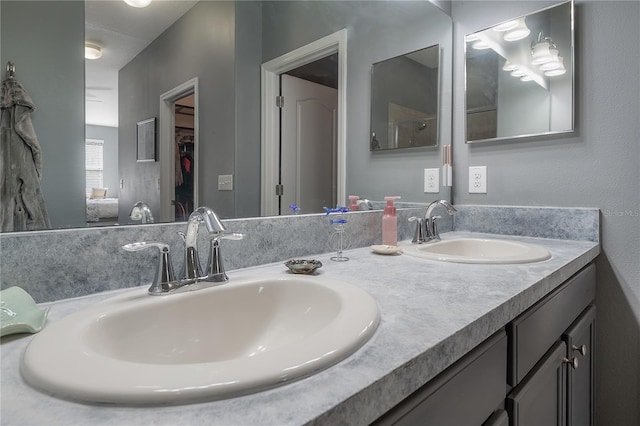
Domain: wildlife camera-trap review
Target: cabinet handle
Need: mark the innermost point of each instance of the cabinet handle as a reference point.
(582, 349)
(573, 362)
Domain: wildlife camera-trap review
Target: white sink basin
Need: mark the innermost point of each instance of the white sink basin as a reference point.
(476, 250)
(241, 337)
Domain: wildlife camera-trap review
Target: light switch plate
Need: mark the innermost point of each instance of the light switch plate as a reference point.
(225, 182)
(478, 180)
(431, 180)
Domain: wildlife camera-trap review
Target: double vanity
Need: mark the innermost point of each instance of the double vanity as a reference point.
(378, 338)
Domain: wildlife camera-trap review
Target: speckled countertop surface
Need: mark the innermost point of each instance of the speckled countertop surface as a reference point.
(432, 314)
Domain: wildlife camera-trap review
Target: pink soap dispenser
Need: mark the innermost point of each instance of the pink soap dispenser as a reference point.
(390, 223)
(353, 206)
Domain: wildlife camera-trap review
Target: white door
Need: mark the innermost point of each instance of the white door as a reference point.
(308, 145)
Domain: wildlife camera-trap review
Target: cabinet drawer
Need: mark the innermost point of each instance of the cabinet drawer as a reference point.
(467, 393)
(533, 332)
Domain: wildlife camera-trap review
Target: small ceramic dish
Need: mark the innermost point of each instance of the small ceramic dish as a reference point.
(19, 313)
(302, 266)
(386, 249)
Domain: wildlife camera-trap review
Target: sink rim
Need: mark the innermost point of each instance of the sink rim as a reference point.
(93, 379)
(531, 253)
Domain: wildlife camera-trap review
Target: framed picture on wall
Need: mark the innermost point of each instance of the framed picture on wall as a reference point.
(147, 140)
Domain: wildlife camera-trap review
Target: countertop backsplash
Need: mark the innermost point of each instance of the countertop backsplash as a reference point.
(60, 264)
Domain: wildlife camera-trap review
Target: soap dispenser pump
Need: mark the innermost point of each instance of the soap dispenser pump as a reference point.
(390, 223)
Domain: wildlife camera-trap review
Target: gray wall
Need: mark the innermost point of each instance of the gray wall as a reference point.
(597, 166)
(49, 35)
(110, 156)
(209, 31)
(248, 61)
(377, 31)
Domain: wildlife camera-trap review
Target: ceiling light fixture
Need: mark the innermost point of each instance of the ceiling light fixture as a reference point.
(519, 32)
(92, 51)
(138, 3)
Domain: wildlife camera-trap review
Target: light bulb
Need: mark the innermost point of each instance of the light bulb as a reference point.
(555, 63)
(541, 53)
(480, 45)
(471, 37)
(508, 66)
(138, 3)
(506, 26)
(519, 32)
(554, 73)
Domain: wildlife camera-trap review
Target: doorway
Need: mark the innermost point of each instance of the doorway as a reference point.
(184, 111)
(270, 202)
(178, 129)
(308, 137)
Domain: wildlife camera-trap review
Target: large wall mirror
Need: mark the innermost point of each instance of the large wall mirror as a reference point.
(520, 77)
(404, 100)
(203, 59)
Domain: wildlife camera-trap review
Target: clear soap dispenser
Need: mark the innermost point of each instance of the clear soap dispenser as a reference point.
(390, 223)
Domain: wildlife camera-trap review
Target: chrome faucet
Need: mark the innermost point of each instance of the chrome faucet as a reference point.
(192, 277)
(141, 211)
(427, 229)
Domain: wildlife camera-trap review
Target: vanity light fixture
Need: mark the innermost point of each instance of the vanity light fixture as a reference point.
(508, 66)
(519, 32)
(472, 37)
(556, 71)
(506, 26)
(92, 51)
(543, 51)
(138, 3)
(556, 63)
(480, 45)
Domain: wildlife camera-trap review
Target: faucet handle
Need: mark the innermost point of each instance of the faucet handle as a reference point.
(432, 228)
(418, 237)
(215, 268)
(165, 279)
(229, 236)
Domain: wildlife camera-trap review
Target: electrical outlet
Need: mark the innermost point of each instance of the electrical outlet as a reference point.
(431, 180)
(225, 183)
(478, 180)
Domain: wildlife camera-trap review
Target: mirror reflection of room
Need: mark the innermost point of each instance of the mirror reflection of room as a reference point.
(222, 45)
(404, 100)
(185, 149)
(520, 76)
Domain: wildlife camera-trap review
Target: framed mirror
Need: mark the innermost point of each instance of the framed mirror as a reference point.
(404, 100)
(520, 77)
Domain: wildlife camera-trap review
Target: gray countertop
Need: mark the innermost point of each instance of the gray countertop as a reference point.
(432, 314)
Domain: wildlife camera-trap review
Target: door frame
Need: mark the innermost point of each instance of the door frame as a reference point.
(166, 149)
(270, 117)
